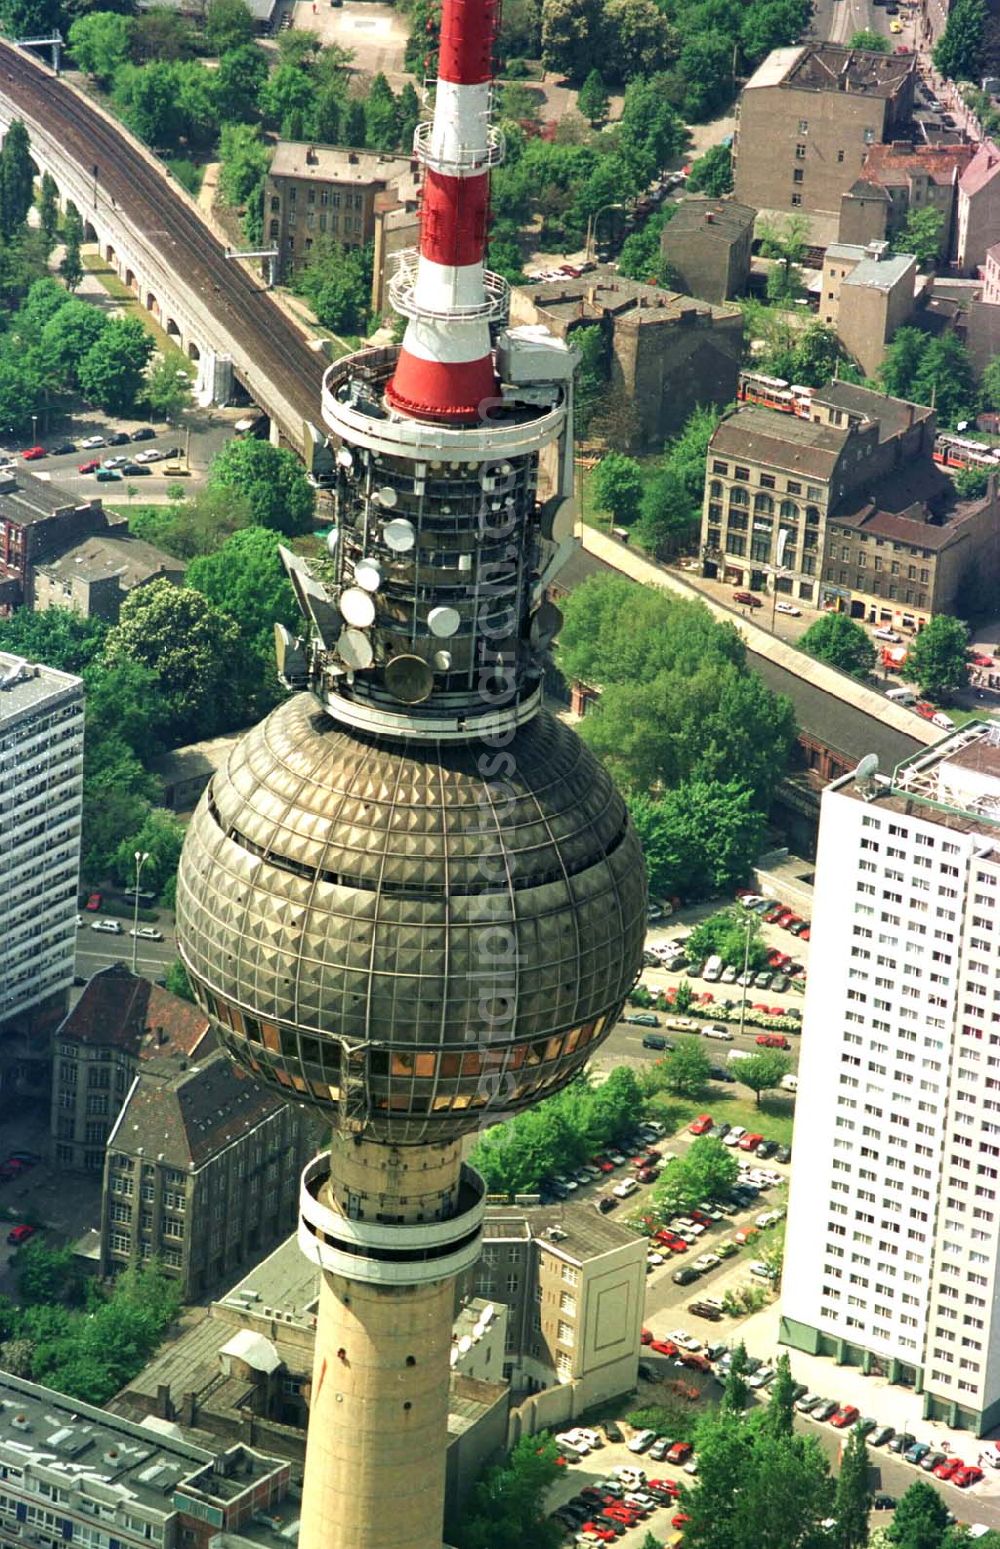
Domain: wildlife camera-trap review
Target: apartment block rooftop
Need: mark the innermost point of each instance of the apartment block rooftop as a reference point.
(955, 782)
(335, 164)
(25, 499)
(26, 688)
(575, 1229)
(827, 67)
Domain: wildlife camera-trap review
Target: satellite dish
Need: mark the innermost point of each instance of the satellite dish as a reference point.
(332, 539)
(368, 575)
(399, 534)
(357, 607)
(344, 458)
(443, 622)
(543, 626)
(355, 649)
(453, 1355)
(464, 1344)
(409, 679)
(489, 1313)
(867, 768)
(442, 660)
(386, 496)
(465, 562)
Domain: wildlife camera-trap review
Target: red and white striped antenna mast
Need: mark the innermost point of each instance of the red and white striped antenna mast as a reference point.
(445, 369)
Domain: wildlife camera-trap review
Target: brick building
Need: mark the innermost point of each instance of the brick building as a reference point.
(707, 243)
(866, 296)
(397, 229)
(773, 480)
(201, 1171)
(316, 194)
(37, 522)
(806, 118)
(119, 1020)
(912, 177)
(665, 353)
(70, 1472)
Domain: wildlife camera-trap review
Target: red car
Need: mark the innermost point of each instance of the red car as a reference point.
(19, 1234)
(784, 917)
(679, 1452)
(647, 1174)
(979, 659)
(845, 1416)
(745, 1234)
(796, 919)
(750, 1142)
(603, 1533)
(772, 1040)
(770, 915)
(779, 960)
(664, 1347)
(89, 467)
(747, 600)
(925, 710)
(646, 1337)
(672, 1241)
(806, 935)
(949, 1467)
(668, 1486)
(31, 454)
(680, 1519)
(966, 1476)
(701, 1125)
(94, 902)
(602, 1163)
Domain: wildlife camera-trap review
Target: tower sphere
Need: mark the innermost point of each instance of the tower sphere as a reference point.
(413, 938)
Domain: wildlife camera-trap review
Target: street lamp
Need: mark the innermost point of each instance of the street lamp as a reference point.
(34, 428)
(748, 927)
(141, 857)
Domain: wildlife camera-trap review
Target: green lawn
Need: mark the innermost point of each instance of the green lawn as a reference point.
(774, 1118)
(116, 288)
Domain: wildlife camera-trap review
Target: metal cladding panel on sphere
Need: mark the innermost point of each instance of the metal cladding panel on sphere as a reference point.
(380, 930)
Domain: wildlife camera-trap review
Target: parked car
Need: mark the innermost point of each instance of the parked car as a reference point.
(114, 462)
(824, 1409)
(750, 1141)
(135, 470)
(949, 1467)
(31, 454)
(118, 438)
(144, 433)
(766, 1149)
(112, 927)
(90, 442)
(845, 1417)
(701, 1125)
(902, 1442)
(19, 1234)
(641, 1441)
(719, 1031)
(62, 449)
(917, 1452)
(932, 1460)
(772, 1041)
(808, 1402)
(685, 1276)
(747, 600)
(108, 476)
(679, 1452)
(94, 901)
(789, 608)
(881, 1435)
(642, 1018)
(966, 1476)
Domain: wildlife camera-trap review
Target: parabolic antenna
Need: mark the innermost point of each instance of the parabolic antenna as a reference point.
(443, 622)
(409, 679)
(867, 769)
(355, 649)
(545, 624)
(399, 535)
(367, 575)
(357, 607)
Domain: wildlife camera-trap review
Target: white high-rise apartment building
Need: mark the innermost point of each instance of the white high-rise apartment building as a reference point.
(894, 1219)
(41, 796)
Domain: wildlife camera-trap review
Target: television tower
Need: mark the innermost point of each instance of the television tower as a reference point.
(411, 898)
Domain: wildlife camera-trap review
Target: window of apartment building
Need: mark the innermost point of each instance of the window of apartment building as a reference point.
(119, 1242)
(720, 467)
(324, 196)
(739, 497)
(789, 511)
(564, 1365)
(566, 1334)
(275, 204)
(796, 201)
(570, 1275)
(803, 126)
(741, 473)
(840, 155)
(93, 1160)
(293, 194)
(567, 1304)
(798, 175)
(95, 1134)
(311, 196)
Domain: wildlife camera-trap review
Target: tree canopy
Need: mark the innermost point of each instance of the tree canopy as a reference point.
(706, 1170)
(958, 51)
(840, 642)
(930, 370)
(726, 935)
(764, 1070)
(561, 1131)
(271, 480)
(937, 659)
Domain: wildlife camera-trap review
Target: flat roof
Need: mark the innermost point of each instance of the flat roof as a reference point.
(26, 687)
(335, 164)
(955, 782)
(882, 273)
(25, 499)
(575, 1230)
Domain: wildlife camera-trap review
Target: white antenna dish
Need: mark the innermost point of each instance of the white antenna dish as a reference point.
(386, 496)
(355, 649)
(442, 660)
(867, 769)
(344, 458)
(368, 575)
(332, 539)
(453, 1355)
(488, 1314)
(399, 535)
(357, 607)
(442, 622)
(464, 1344)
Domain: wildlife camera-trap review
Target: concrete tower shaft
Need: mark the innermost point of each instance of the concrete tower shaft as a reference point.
(445, 367)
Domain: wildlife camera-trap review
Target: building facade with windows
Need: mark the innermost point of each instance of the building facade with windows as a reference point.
(321, 195)
(573, 1283)
(201, 1171)
(119, 1021)
(773, 480)
(805, 121)
(894, 1219)
(41, 797)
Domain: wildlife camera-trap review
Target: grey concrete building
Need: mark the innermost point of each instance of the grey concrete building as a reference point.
(94, 576)
(119, 1021)
(773, 480)
(867, 294)
(665, 352)
(707, 244)
(806, 119)
(202, 1171)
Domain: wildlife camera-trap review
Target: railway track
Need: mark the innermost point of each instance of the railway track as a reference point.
(171, 229)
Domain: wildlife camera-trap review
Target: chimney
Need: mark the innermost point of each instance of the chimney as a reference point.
(164, 1408)
(709, 217)
(312, 159)
(189, 1409)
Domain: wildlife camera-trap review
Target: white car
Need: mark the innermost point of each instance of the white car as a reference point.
(80, 922)
(706, 1261)
(735, 1135)
(680, 1336)
(656, 1259)
(115, 462)
(789, 608)
(749, 899)
(147, 933)
(887, 634)
(641, 1441)
(945, 722)
(111, 926)
(89, 443)
(761, 1270)
(625, 1188)
(151, 454)
(716, 1030)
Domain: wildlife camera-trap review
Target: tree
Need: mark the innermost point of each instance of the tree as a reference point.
(852, 1498)
(112, 371)
(840, 642)
(165, 393)
(336, 282)
(246, 579)
(71, 264)
(990, 384)
(162, 34)
(506, 1508)
(699, 838)
(712, 173)
(778, 1418)
(48, 208)
(271, 480)
(146, 97)
(650, 131)
(686, 1070)
(870, 42)
(47, 1276)
(920, 234)
(188, 646)
(901, 362)
(728, 935)
(936, 660)
(177, 982)
(573, 37)
(643, 37)
(381, 116)
(736, 1393)
(641, 257)
(668, 517)
(160, 837)
(228, 25)
(16, 179)
(707, 1170)
(920, 1519)
(101, 43)
(763, 1071)
(815, 355)
(971, 483)
(239, 81)
(616, 486)
(946, 380)
(58, 637)
(593, 100)
(67, 337)
(958, 52)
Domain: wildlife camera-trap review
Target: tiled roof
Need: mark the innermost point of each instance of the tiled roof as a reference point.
(119, 1009)
(894, 415)
(194, 1115)
(981, 170)
(114, 553)
(941, 163)
(729, 219)
(799, 446)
